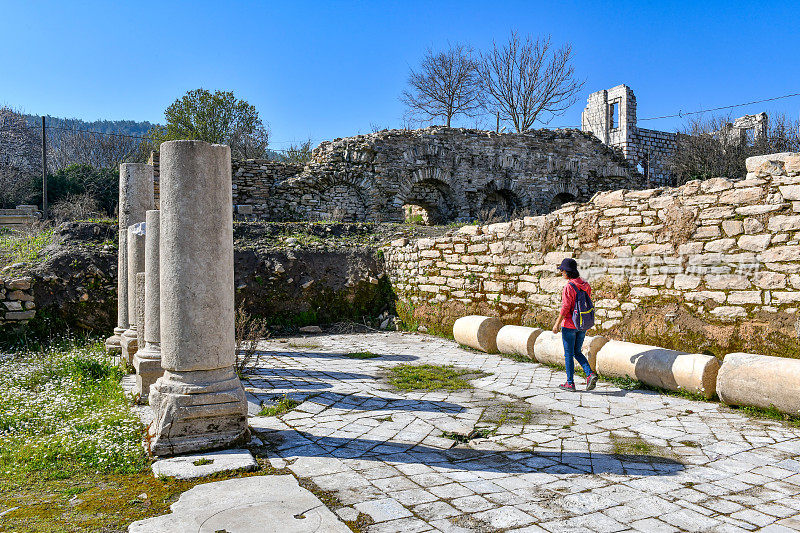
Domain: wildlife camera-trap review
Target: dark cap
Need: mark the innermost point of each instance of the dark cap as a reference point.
(569, 265)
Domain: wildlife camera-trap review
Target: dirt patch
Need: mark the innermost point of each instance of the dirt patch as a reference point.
(673, 326)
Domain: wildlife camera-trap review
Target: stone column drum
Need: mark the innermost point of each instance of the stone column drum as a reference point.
(199, 402)
(135, 198)
(147, 360)
(136, 235)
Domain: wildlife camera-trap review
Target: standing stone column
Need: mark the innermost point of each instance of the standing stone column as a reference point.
(135, 198)
(199, 402)
(136, 237)
(147, 360)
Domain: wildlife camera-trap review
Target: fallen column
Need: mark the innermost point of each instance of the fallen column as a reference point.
(517, 340)
(135, 198)
(659, 367)
(199, 402)
(136, 236)
(478, 332)
(147, 360)
(549, 349)
(760, 381)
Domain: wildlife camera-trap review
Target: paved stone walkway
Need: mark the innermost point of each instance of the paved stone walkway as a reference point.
(606, 460)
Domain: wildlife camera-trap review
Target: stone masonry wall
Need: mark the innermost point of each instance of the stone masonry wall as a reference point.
(17, 297)
(449, 173)
(728, 250)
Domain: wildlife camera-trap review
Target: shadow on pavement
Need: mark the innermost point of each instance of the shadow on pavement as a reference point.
(296, 444)
(290, 352)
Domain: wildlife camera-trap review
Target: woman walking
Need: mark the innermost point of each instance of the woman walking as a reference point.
(571, 334)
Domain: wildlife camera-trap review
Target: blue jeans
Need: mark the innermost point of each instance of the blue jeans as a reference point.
(573, 342)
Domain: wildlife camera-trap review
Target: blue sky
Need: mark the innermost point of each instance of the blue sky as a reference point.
(332, 69)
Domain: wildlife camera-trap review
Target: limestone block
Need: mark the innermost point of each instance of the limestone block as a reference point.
(729, 312)
(720, 245)
(754, 243)
(770, 280)
(781, 253)
(790, 192)
(760, 381)
(784, 223)
(726, 281)
(478, 332)
(517, 340)
(732, 227)
(549, 348)
(756, 163)
(659, 367)
(685, 281)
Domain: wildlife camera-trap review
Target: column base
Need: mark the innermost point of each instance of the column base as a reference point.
(129, 345)
(147, 363)
(113, 343)
(197, 410)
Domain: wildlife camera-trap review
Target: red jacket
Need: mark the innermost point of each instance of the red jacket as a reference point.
(568, 300)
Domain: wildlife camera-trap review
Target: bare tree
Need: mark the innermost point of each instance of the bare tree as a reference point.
(526, 80)
(20, 157)
(705, 151)
(447, 84)
(72, 146)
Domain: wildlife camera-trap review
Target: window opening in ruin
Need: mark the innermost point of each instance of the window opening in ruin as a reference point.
(613, 109)
(561, 199)
(750, 136)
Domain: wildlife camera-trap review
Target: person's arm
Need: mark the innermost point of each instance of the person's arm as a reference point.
(559, 321)
(567, 302)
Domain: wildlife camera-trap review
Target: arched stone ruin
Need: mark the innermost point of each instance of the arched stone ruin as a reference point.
(433, 175)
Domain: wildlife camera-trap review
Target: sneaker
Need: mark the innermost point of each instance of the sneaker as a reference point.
(591, 381)
(567, 386)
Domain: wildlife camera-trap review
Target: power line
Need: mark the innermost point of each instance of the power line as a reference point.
(681, 114)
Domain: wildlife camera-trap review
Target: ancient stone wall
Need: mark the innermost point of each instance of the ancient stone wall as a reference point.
(611, 116)
(448, 173)
(728, 250)
(17, 297)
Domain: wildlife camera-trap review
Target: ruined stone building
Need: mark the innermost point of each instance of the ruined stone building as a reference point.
(611, 116)
(439, 174)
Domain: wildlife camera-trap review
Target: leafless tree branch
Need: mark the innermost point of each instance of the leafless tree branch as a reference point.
(446, 85)
(526, 80)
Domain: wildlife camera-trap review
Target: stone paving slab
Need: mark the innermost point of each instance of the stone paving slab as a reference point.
(549, 463)
(204, 464)
(258, 504)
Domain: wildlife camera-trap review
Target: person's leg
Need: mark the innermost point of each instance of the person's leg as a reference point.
(568, 338)
(577, 350)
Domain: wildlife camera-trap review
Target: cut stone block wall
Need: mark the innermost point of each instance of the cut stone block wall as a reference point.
(727, 249)
(449, 173)
(18, 302)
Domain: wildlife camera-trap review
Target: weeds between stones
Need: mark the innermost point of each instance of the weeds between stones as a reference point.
(361, 355)
(249, 330)
(284, 405)
(430, 377)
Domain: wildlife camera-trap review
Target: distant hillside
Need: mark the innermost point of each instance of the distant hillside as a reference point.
(126, 127)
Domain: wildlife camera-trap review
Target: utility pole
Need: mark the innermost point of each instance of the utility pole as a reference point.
(44, 171)
(498, 122)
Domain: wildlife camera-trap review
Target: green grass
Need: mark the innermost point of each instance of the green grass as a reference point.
(63, 412)
(770, 414)
(23, 247)
(284, 405)
(303, 345)
(361, 355)
(429, 377)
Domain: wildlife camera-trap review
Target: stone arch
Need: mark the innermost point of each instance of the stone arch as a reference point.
(561, 199)
(429, 201)
(427, 194)
(499, 201)
(559, 194)
(340, 202)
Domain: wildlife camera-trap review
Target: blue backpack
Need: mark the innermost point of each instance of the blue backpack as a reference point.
(583, 312)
